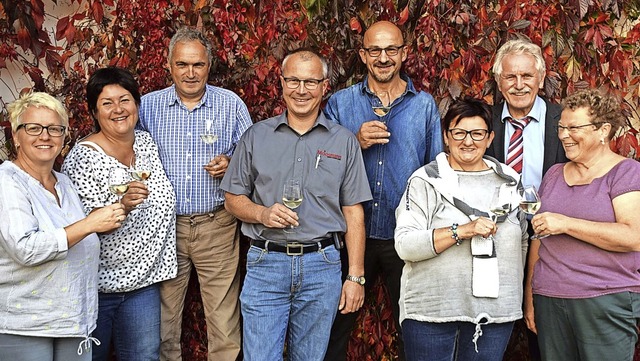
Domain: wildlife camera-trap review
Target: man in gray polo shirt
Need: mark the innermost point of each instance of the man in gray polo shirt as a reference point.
(293, 281)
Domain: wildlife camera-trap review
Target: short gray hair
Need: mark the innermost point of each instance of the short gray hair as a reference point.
(518, 46)
(306, 53)
(185, 34)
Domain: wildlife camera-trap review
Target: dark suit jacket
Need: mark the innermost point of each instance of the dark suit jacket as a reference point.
(553, 151)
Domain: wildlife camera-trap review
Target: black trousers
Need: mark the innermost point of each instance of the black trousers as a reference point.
(380, 258)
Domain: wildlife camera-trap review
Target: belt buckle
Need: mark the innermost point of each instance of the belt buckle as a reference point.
(295, 249)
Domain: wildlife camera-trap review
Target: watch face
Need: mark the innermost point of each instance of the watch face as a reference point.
(361, 280)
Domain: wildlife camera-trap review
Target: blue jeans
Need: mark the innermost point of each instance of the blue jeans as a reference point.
(289, 296)
(454, 341)
(132, 320)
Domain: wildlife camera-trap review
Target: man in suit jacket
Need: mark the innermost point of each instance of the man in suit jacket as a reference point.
(519, 70)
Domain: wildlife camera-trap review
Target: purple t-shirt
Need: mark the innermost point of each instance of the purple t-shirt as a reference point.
(570, 268)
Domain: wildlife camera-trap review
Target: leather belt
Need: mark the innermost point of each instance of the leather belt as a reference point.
(292, 248)
(196, 218)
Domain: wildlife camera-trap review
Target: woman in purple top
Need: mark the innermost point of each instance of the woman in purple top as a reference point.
(585, 280)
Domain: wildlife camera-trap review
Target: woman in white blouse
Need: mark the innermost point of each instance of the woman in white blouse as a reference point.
(142, 253)
(48, 249)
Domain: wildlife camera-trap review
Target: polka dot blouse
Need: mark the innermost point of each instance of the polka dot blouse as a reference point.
(143, 250)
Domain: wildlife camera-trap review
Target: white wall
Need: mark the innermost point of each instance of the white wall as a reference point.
(12, 79)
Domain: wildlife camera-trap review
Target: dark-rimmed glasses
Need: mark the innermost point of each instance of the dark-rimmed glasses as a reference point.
(575, 128)
(389, 50)
(309, 84)
(461, 134)
(36, 129)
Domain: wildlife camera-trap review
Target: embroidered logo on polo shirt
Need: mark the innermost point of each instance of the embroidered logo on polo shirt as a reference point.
(329, 155)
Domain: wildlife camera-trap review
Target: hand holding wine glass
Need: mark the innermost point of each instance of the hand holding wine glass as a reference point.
(292, 197)
(119, 180)
(140, 170)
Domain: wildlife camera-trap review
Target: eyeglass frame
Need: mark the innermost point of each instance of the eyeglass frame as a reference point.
(315, 83)
(573, 129)
(389, 50)
(469, 133)
(42, 128)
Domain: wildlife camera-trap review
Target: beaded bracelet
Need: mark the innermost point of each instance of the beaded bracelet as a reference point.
(454, 235)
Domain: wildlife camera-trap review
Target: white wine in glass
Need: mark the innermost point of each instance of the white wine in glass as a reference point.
(381, 104)
(500, 204)
(209, 136)
(119, 180)
(292, 196)
(530, 204)
(140, 170)
(530, 200)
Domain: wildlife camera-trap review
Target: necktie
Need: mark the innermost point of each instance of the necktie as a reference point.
(514, 154)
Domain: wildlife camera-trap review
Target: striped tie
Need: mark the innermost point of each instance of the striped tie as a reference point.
(515, 155)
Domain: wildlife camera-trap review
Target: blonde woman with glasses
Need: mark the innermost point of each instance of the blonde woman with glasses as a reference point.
(48, 249)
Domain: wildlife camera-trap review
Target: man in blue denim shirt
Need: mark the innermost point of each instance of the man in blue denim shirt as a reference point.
(398, 129)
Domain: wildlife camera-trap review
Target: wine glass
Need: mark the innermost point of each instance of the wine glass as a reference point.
(530, 203)
(381, 104)
(292, 196)
(119, 180)
(140, 170)
(500, 203)
(209, 136)
(529, 200)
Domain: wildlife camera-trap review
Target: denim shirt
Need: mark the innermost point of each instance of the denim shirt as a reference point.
(416, 139)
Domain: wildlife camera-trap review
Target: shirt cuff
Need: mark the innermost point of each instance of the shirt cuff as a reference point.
(61, 236)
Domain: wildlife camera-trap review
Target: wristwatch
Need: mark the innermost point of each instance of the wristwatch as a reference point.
(359, 280)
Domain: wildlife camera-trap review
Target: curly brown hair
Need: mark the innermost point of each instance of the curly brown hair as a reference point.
(603, 108)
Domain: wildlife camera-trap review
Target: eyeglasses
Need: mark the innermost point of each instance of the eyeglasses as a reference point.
(575, 128)
(309, 84)
(390, 50)
(461, 134)
(36, 129)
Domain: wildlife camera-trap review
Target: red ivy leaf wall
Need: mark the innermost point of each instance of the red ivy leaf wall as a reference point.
(586, 43)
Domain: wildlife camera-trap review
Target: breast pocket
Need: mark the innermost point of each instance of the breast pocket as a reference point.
(325, 179)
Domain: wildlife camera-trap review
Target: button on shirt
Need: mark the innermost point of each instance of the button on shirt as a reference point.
(328, 161)
(176, 130)
(416, 139)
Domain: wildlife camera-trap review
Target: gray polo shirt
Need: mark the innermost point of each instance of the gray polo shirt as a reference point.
(328, 161)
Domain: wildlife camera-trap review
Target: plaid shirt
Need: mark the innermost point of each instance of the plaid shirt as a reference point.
(177, 130)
